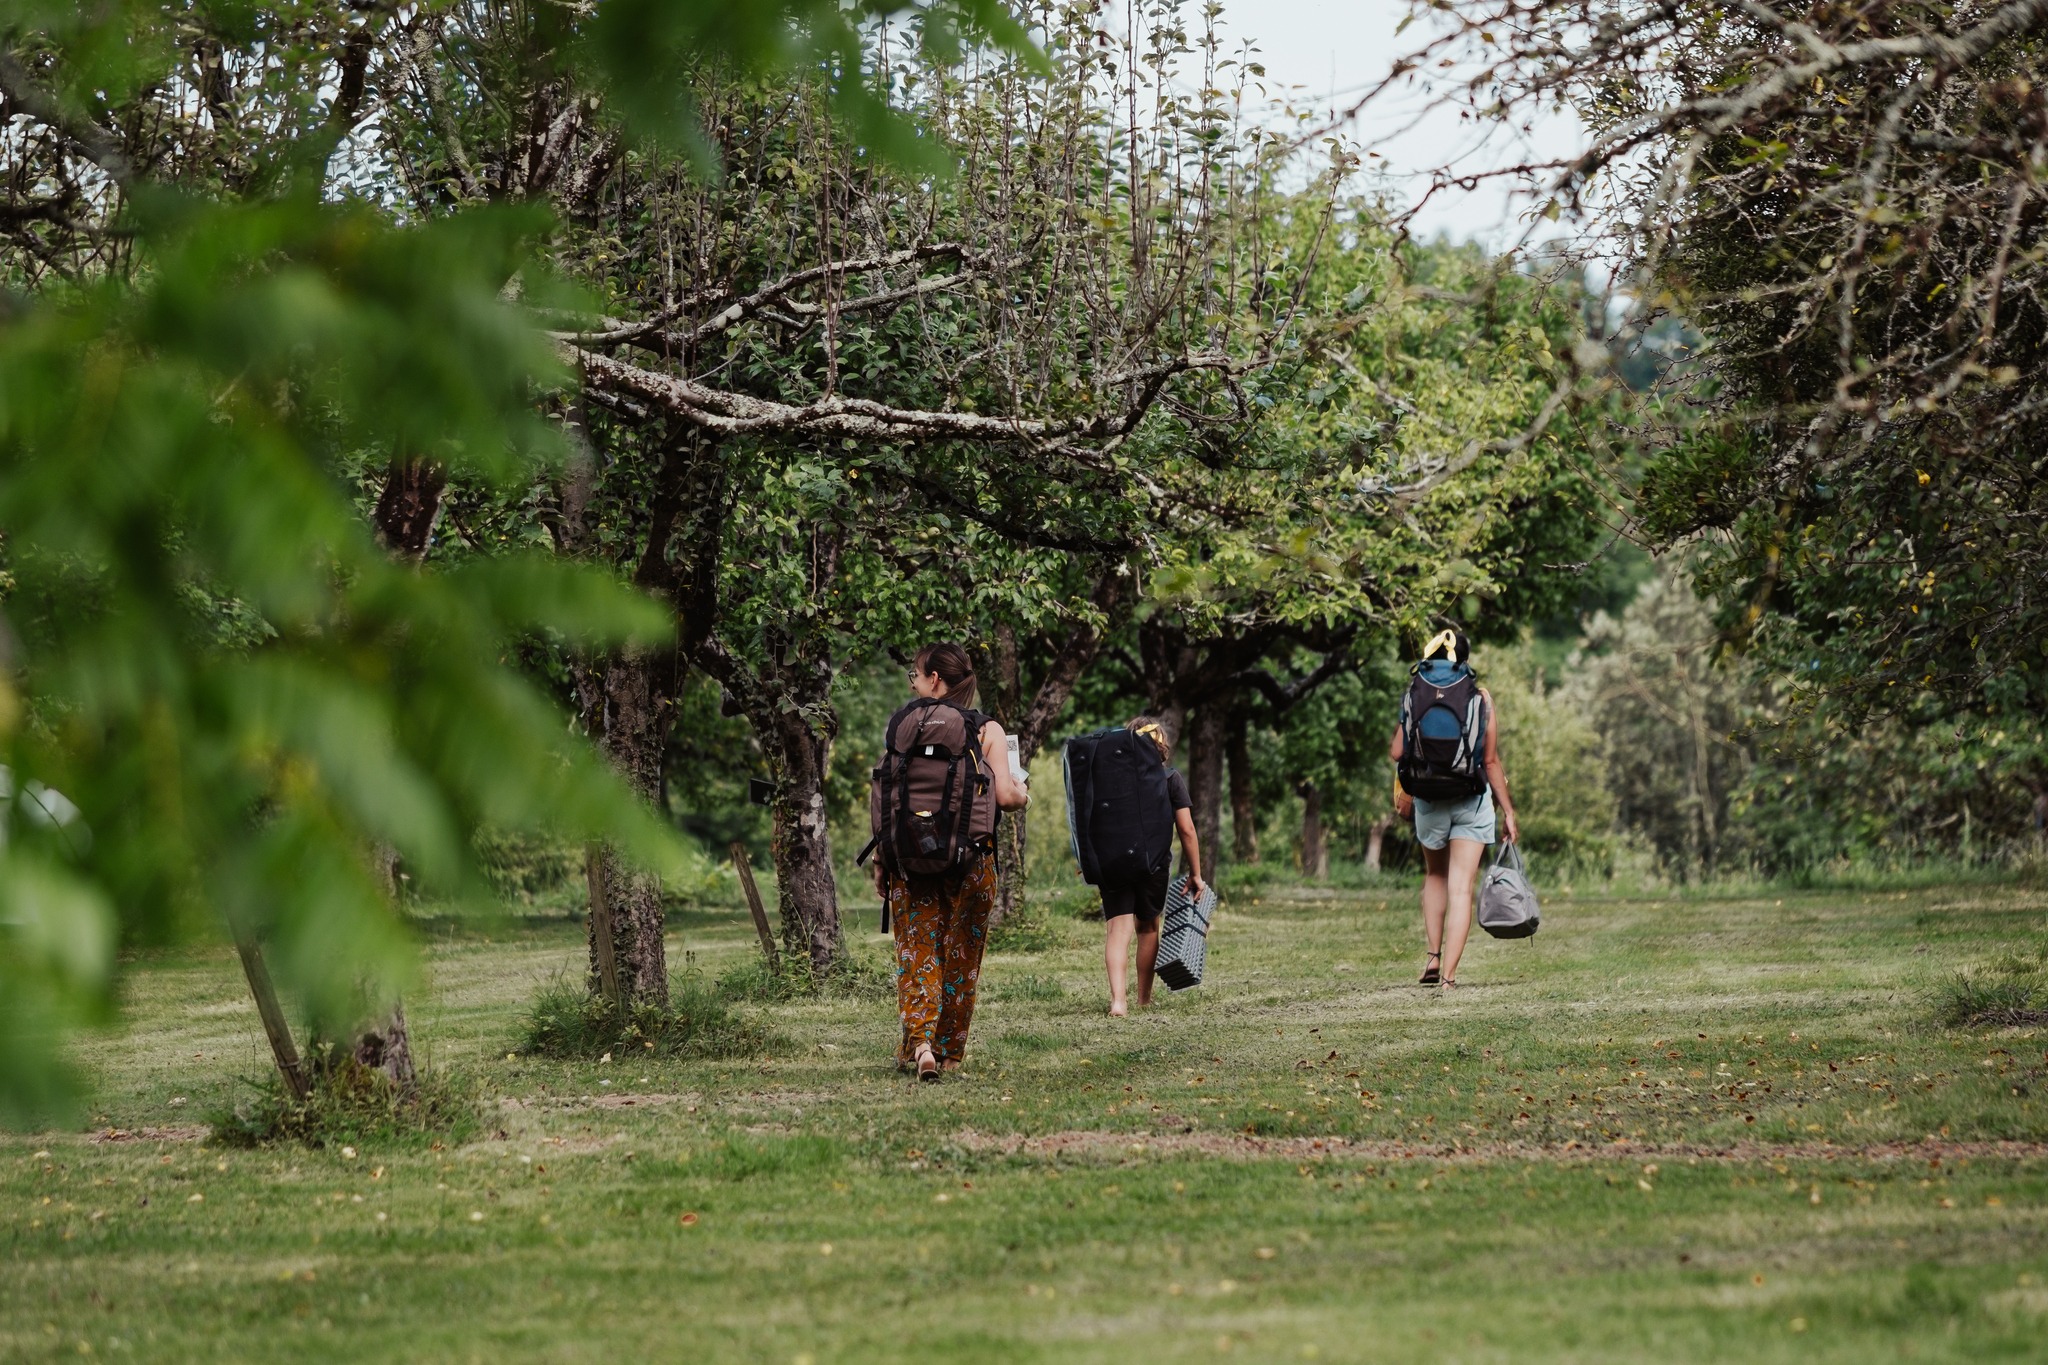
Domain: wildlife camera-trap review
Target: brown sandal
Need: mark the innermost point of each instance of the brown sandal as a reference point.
(1429, 973)
(927, 1065)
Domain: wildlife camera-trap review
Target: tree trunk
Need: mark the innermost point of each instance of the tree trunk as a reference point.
(1376, 841)
(408, 509)
(383, 1044)
(1244, 816)
(808, 894)
(1315, 845)
(1033, 724)
(1173, 719)
(788, 707)
(386, 1049)
(626, 901)
(1001, 686)
(1206, 741)
(625, 698)
(626, 710)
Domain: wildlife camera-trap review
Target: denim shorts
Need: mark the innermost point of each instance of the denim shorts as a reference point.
(1439, 822)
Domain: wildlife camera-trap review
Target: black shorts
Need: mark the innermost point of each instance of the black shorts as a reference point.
(1146, 899)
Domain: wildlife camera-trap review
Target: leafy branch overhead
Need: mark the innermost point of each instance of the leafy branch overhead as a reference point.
(1843, 207)
(402, 408)
(221, 306)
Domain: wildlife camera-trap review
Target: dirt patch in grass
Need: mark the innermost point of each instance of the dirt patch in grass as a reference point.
(177, 1132)
(636, 1100)
(742, 1100)
(1082, 1143)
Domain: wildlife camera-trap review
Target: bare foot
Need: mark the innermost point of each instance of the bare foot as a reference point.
(1117, 1011)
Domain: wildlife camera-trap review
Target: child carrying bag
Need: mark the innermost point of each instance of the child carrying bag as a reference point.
(1118, 813)
(1507, 903)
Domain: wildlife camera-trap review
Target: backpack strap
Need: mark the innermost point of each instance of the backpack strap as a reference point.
(946, 822)
(1472, 734)
(904, 787)
(1479, 729)
(956, 826)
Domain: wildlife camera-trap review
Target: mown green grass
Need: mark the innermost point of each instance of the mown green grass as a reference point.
(1091, 1188)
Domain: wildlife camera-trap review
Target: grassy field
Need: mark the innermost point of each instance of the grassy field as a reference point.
(1665, 1129)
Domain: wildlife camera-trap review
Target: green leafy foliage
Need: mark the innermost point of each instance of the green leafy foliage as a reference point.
(1653, 685)
(176, 436)
(233, 685)
(1552, 749)
(651, 54)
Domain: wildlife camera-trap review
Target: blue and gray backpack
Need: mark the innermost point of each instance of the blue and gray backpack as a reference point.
(1443, 733)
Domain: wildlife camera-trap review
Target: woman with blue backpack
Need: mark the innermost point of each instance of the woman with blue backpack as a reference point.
(1449, 778)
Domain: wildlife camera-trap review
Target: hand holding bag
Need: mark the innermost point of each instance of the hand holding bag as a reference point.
(1507, 903)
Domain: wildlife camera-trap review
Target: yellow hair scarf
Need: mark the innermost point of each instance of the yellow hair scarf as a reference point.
(1445, 644)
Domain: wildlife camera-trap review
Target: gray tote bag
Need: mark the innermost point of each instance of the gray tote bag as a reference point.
(1507, 903)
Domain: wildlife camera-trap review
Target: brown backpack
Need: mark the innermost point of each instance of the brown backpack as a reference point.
(932, 802)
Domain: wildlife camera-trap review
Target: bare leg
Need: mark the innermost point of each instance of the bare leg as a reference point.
(1436, 865)
(1464, 856)
(1148, 956)
(1115, 955)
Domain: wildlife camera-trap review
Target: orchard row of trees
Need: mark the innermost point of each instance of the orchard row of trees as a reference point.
(387, 380)
(409, 411)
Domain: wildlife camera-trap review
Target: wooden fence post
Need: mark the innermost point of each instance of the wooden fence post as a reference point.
(281, 1045)
(745, 868)
(596, 871)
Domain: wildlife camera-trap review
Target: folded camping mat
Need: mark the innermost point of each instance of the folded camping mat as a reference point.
(1184, 936)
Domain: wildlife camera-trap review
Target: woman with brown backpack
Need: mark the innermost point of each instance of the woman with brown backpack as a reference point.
(944, 773)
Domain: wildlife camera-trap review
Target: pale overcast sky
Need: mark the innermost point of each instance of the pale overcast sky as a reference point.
(1343, 46)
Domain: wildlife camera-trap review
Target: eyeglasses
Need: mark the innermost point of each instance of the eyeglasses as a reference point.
(913, 675)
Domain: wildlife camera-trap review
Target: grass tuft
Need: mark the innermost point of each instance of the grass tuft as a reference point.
(2011, 993)
(852, 978)
(1038, 924)
(350, 1105)
(1029, 986)
(565, 1021)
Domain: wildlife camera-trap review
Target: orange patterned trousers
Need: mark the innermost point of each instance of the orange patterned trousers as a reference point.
(941, 927)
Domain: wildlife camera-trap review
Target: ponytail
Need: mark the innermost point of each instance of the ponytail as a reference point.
(955, 670)
(1451, 644)
(1150, 728)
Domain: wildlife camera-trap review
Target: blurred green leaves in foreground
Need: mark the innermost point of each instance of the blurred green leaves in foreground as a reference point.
(239, 689)
(220, 693)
